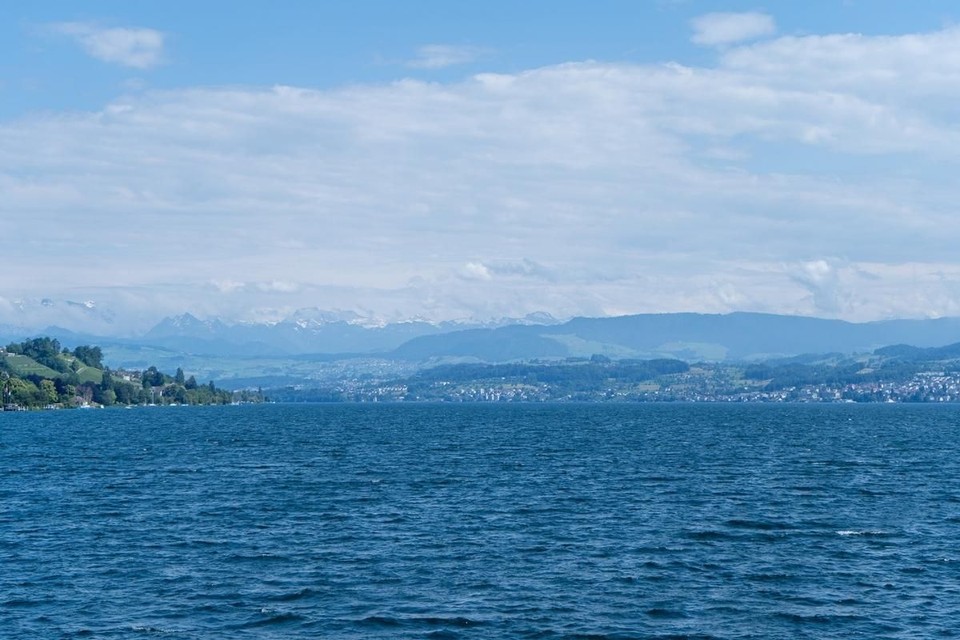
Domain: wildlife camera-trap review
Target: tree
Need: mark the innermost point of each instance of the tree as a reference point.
(5, 384)
(24, 392)
(179, 377)
(152, 378)
(109, 398)
(90, 356)
(180, 395)
(126, 393)
(48, 391)
(46, 351)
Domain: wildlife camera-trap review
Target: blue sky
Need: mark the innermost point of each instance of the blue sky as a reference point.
(328, 44)
(453, 160)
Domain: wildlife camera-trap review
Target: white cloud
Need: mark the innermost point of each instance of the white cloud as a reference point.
(279, 286)
(475, 271)
(578, 189)
(885, 68)
(822, 278)
(439, 56)
(127, 46)
(728, 28)
(228, 286)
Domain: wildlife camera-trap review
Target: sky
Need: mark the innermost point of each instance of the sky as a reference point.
(473, 161)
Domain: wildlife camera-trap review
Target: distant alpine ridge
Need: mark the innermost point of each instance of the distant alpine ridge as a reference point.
(686, 336)
(306, 332)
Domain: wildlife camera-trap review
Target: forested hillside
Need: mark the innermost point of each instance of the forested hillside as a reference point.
(40, 373)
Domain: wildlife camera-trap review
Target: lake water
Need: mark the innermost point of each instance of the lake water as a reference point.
(590, 521)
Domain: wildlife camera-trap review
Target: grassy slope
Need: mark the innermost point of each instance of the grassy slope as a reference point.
(23, 366)
(89, 374)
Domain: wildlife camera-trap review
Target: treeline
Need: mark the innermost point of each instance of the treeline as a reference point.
(582, 376)
(573, 379)
(154, 387)
(789, 375)
(40, 373)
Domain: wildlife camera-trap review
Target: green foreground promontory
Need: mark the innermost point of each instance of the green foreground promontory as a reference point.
(39, 373)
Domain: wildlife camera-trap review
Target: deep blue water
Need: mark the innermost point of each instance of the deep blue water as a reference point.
(591, 521)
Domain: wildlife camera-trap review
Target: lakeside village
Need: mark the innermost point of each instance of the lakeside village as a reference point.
(39, 374)
(602, 380)
(695, 387)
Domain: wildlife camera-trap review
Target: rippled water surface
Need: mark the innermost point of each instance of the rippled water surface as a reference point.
(641, 521)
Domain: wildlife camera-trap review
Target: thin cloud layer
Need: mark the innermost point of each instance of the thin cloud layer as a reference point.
(761, 182)
(727, 28)
(440, 56)
(134, 47)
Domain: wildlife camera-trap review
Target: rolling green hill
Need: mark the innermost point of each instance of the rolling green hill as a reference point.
(25, 366)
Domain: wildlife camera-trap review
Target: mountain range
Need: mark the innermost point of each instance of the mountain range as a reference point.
(316, 336)
(687, 336)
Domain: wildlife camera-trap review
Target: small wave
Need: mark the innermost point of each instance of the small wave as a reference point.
(913, 570)
(665, 614)
(840, 464)
(620, 636)
(772, 577)
(147, 629)
(186, 544)
(20, 602)
(861, 532)
(815, 618)
(273, 618)
(432, 621)
(758, 525)
(260, 557)
(295, 595)
(457, 621)
(711, 535)
(381, 621)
